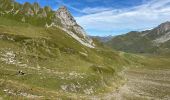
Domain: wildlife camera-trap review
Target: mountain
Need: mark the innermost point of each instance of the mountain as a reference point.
(61, 18)
(155, 41)
(45, 54)
(70, 26)
(102, 38)
(160, 34)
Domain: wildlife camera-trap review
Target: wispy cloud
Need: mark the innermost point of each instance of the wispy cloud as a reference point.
(62, 3)
(145, 16)
(89, 10)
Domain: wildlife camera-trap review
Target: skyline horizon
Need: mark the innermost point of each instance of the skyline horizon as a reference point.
(107, 20)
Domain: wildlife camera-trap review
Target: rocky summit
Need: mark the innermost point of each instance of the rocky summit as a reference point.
(70, 25)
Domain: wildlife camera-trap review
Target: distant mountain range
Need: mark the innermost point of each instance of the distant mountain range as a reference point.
(156, 40)
(102, 38)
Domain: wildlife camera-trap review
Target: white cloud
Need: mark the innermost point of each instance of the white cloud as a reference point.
(145, 16)
(89, 10)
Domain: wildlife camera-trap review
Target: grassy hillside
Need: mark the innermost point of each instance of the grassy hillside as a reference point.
(132, 42)
(155, 41)
(38, 62)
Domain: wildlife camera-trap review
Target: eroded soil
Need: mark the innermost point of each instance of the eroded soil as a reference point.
(142, 84)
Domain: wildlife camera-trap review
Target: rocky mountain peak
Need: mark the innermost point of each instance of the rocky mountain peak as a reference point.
(160, 31)
(164, 26)
(65, 16)
(70, 25)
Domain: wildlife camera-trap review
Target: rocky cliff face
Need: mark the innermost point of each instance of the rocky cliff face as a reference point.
(160, 34)
(70, 25)
(164, 27)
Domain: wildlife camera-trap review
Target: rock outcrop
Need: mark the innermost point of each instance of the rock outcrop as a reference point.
(160, 34)
(69, 24)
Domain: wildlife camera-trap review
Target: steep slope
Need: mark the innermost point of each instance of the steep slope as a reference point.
(35, 15)
(39, 62)
(70, 25)
(149, 41)
(160, 34)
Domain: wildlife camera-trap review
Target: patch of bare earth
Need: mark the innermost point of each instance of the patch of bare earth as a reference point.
(143, 84)
(146, 84)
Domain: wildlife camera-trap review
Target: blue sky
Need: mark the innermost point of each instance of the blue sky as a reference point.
(114, 17)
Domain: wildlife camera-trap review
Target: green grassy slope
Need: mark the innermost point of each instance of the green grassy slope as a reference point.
(54, 64)
(132, 42)
(143, 42)
(47, 63)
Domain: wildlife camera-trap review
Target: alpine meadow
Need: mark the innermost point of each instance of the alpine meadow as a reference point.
(46, 54)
